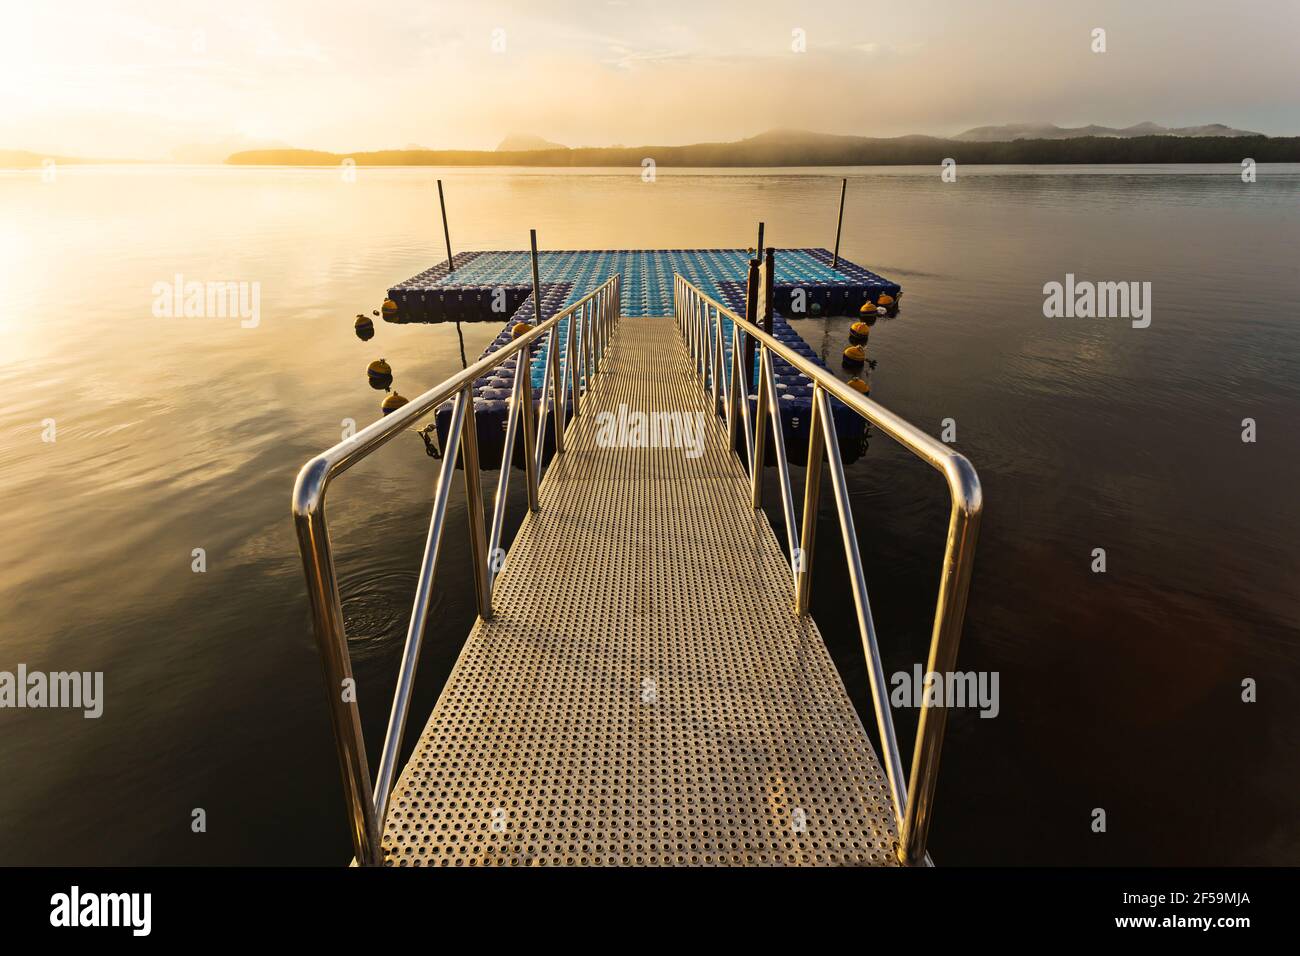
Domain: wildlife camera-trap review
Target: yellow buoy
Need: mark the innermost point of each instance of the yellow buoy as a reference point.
(859, 386)
(521, 328)
(855, 356)
(885, 299)
(365, 327)
(859, 330)
(380, 374)
(392, 403)
(390, 308)
(869, 308)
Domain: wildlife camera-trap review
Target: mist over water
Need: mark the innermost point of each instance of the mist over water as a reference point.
(1119, 690)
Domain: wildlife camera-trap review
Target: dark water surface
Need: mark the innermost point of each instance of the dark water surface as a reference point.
(1119, 691)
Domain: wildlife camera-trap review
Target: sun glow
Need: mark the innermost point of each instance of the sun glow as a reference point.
(143, 79)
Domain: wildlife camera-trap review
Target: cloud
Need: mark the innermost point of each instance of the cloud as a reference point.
(347, 76)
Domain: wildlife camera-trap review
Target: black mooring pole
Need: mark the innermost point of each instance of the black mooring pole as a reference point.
(446, 233)
(751, 315)
(844, 186)
(537, 285)
(758, 250)
(769, 286)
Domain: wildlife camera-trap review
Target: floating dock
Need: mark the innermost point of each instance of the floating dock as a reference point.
(645, 684)
(497, 286)
(468, 292)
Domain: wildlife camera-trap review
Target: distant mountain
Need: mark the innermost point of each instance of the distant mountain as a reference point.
(1023, 144)
(799, 148)
(216, 151)
(516, 142)
(1012, 132)
(21, 159)
(803, 139)
(1145, 143)
(18, 159)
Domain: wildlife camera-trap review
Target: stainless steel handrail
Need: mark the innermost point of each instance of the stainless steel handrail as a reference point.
(597, 313)
(699, 316)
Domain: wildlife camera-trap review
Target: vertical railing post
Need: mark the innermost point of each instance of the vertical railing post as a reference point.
(503, 476)
(557, 390)
(862, 603)
(602, 332)
(543, 404)
(386, 773)
(542, 413)
(586, 348)
(571, 364)
(602, 309)
(706, 344)
(811, 494)
(760, 432)
(611, 314)
(604, 323)
(769, 290)
(701, 353)
(720, 349)
(474, 507)
(689, 323)
(782, 469)
(525, 368)
(740, 399)
(715, 355)
(751, 315)
(733, 389)
(950, 615)
(336, 663)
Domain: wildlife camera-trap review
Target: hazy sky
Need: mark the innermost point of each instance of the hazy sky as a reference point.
(137, 79)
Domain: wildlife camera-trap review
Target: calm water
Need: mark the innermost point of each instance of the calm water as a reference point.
(1118, 690)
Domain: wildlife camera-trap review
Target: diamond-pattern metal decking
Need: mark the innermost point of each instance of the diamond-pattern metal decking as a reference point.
(644, 693)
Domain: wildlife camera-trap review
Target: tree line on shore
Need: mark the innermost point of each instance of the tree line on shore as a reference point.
(837, 151)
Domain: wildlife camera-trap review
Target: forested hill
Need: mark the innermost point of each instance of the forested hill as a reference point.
(771, 150)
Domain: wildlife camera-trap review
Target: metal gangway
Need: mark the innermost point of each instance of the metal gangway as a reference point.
(644, 684)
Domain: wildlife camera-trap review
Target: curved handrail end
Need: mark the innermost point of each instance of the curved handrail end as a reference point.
(964, 485)
(309, 487)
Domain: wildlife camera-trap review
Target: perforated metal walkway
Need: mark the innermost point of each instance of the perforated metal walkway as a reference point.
(645, 693)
